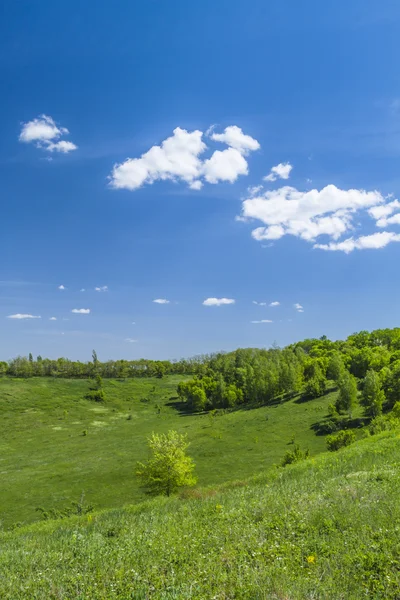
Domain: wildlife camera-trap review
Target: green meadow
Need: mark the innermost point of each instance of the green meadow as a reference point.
(326, 528)
(56, 445)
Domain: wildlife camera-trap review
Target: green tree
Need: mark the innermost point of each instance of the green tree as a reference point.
(168, 467)
(316, 382)
(373, 396)
(335, 368)
(347, 397)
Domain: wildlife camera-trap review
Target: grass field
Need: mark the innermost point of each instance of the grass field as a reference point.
(47, 461)
(324, 529)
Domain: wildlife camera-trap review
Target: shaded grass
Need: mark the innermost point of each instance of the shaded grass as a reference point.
(47, 461)
(327, 528)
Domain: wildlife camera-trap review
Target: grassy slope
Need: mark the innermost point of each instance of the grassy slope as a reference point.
(46, 461)
(326, 528)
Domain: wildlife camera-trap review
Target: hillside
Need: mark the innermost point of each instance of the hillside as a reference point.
(325, 528)
(47, 461)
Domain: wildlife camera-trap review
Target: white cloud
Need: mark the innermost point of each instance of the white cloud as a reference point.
(310, 214)
(263, 321)
(61, 287)
(44, 133)
(225, 165)
(281, 171)
(23, 316)
(161, 301)
(253, 190)
(234, 137)
(81, 311)
(365, 242)
(103, 288)
(83, 290)
(276, 303)
(259, 303)
(53, 319)
(218, 301)
(178, 159)
(62, 146)
(196, 185)
(298, 307)
(130, 340)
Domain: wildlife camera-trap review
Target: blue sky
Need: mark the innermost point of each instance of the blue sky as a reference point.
(309, 88)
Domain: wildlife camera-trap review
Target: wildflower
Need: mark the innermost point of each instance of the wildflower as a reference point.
(311, 559)
(219, 507)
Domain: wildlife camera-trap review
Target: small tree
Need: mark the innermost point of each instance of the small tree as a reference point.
(347, 397)
(372, 396)
(168, 467)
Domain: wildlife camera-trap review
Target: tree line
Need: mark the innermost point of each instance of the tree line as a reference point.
(365, 367)
(27, 366)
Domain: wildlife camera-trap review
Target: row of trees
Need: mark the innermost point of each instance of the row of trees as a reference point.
(23, 366)
(366, 366)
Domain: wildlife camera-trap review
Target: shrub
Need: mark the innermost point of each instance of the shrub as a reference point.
(294, 455)
(381, 423)
(340, 440)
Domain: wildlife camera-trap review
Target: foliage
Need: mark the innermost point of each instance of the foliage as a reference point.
(340, 440)
(293, 456)
(373, 396)
(96, 391)
(168, 467)
(347, 397)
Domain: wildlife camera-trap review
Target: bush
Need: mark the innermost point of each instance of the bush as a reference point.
(294, 455)
(96, 395)
(340, 440)
(380, 424)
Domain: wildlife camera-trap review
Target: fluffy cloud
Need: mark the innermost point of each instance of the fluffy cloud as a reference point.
(281, 171)
(327, 212)
(225, 165)
(298, 307)
(44, 133)
(178, 159)
(259, 303)
(53, 319)
(103, 288)
(61, 287)
(365, 242)
(276, 303)
(218, 301)
(81, 311)
(23, 316)
(234, 137)
(263, 321)
(161, 301)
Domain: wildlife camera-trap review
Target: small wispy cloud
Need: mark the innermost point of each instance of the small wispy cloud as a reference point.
(161, 301)
(130, 340)
(82, 290)
(276, 303)
(103, 288)
(298, 307)
(81, 311)
(53, 319)
(61, 287)
(23, 316)
(218, 301)
(133, 323)
(45, 134)
(263, 321)
(281, 171)
(259, 303)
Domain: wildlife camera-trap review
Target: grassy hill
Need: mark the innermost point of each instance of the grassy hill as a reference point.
(54, 443)
(325, 528)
